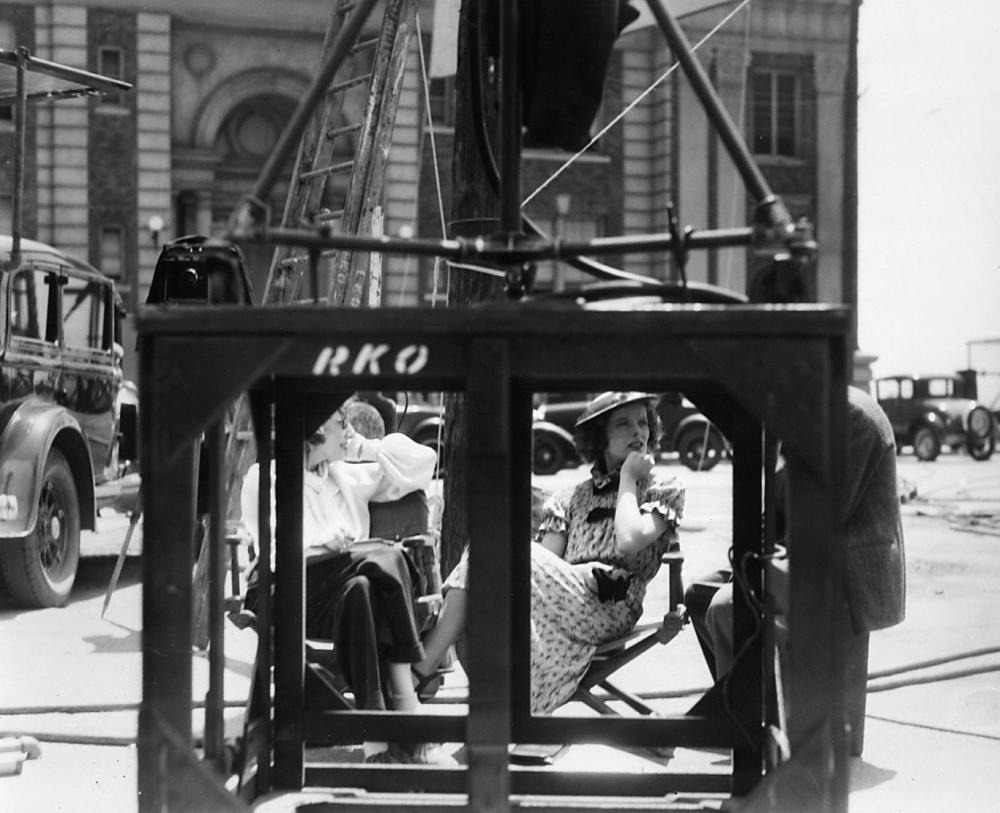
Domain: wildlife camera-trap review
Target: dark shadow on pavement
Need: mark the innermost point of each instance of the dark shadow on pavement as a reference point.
(864, 775)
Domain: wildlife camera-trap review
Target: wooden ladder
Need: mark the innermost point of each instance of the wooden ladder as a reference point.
(379, 64)
(354, 278)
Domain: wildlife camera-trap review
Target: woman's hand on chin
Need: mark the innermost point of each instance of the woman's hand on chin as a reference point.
(637, 466)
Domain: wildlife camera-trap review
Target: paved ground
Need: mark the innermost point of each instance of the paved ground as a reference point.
(930, 745)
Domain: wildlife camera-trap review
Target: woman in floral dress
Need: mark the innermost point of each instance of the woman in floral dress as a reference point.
(598, 546)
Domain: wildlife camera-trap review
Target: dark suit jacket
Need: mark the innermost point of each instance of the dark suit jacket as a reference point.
(875, 563)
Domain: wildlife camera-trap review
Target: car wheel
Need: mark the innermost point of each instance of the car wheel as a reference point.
(431, 439)
(926, 445)
(980, 449)
(40, 569)
(700, 451)
(547, 455)
(979, 439)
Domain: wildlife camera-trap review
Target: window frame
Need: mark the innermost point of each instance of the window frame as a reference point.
(111, 98)
(775, 68)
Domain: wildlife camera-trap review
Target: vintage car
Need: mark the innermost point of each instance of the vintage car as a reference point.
(67, 417)
(697, 441)
(928, 412)
(421, 418)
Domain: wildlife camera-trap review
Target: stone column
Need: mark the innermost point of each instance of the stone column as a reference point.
(831, 71)
(731, 66)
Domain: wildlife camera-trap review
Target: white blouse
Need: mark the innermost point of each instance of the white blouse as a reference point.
(336, 506)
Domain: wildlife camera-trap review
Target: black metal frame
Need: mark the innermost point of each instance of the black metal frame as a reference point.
(748, 367)
(733, 359)
(77, 83)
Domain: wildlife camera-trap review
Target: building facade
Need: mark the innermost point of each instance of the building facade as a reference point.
(215, 83)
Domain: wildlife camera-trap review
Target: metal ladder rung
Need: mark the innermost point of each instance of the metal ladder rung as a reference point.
(340, 87)
(364, 45)
(291, 262)
(325, 216)
(335, 132)
(344, 166)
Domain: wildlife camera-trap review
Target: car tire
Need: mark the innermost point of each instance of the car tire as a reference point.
(700, 451)
(431, 439)
(926, 445)
(547, 455)
(981, 449)
(40, 569)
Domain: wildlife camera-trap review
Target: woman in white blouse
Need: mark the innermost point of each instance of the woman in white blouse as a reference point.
(360, 595)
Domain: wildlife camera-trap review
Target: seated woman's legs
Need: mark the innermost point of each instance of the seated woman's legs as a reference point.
(448, 629)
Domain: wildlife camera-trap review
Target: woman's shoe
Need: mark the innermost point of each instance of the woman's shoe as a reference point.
(426, 686)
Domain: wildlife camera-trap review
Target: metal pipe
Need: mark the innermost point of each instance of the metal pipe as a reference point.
(94, 81)
(503, 250)
(510, 119)
(717, 114)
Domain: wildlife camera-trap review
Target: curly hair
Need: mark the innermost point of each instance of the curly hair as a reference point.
(366, 419)
(591, 439)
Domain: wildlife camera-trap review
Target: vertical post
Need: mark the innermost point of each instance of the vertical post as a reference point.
(289, 592)
(850, 211)
(20, 141)
(165, 714)
(261, 403)
(215, 540)
(519, 444)
(510, 120)
(489, 620)
(748, 695)
(816, 724)
(712, 191)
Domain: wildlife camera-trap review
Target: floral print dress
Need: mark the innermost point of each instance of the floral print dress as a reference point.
(568, 620)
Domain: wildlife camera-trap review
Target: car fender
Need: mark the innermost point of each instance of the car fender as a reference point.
(428, 427)
(546, 427)
(931, 420)
(696, 419)
(28, 435)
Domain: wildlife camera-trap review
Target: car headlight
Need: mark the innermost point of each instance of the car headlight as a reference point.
(980, 422)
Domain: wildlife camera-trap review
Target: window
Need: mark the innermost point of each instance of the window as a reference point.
(888, 390)
(941, 388)
(112, 251)
(442, 101)
(776, 112)
(29, 311)
(110, 62)
(555, 275)
(83, 314)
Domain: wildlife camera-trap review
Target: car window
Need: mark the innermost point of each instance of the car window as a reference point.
(888, 390)
(30, 314)
(84, 314)
(940, 387)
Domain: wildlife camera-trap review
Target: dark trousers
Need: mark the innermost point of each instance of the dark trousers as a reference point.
(852, 646)
(363, 600)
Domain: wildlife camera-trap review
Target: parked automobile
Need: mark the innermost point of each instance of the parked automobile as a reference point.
(928, 412)
(420, 418)
(67, 417)
(697, 441)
